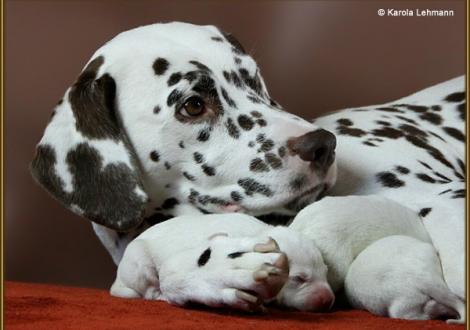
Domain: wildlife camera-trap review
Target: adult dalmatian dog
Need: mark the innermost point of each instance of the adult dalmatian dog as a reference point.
(175, 119)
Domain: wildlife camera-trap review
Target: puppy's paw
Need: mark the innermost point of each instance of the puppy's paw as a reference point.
(250, 265)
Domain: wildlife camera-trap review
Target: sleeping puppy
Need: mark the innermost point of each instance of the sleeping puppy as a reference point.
(172, 261)
(396, 276)
(401, 277)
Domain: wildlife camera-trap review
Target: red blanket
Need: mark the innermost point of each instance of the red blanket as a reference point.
(39, 306)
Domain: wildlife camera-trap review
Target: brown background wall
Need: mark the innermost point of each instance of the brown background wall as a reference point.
(315, 56)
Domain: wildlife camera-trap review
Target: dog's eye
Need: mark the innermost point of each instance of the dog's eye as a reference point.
(301, 278)
(194, 106)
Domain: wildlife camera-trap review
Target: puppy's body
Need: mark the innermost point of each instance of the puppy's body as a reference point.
(172, 261)
(344, 228)
(401, 277)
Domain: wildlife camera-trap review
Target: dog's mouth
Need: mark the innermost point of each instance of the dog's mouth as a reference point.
(306, 198)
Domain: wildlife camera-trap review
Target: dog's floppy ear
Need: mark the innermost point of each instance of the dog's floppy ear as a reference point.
(84, 158)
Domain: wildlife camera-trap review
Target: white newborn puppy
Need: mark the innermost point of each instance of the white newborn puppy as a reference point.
(226, 259)
(343, 227)
(401, 277)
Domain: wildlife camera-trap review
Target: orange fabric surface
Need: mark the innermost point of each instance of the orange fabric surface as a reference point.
(39, 306)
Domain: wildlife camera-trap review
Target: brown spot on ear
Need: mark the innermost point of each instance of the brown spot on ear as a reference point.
(92, 103)
(105, 194)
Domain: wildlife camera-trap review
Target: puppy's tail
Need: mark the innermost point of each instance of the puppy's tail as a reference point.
(445, 305)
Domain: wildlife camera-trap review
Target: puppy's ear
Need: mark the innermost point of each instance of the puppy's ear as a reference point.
(84, 158)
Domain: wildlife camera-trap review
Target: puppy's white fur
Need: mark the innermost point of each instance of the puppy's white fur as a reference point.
(397, 275)
(401, 277)
(162, 264)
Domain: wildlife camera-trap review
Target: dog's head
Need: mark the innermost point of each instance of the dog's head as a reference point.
(307, 287)
(176, 118)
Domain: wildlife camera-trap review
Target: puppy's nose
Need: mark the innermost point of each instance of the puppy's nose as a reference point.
(317, 147)
(322, 300)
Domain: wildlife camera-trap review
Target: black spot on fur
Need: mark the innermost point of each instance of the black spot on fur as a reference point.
(254, 99)
(236, 197)
(356, 132)
(167, 165)
(256, 114)
(413, 131)
(445, 191)
(245, 122)
(193, 195)
(388, 179)
(169, 203)
(274, 161)
(455, 133)
(233, 130)
(254, 82)
(424, 211)
(191, 76)
(281, 151)
(431, 117)
(426, 178)
(157, 109)
(389, 109)
(258, 165)
(174, 78)
(402, 169)
(236, 80)
(461, 110)
(235, 255)
(203, 135)
(219, 39)
(160, 66)
(443, 178)
(267, 145)
(251, 187)
(208, 170)
(174, 97)
(236, 45)
(417, 108)
(455, 97)
(460, 193)
(204, 257)
(198, 158)
(200, 66)
(181, 144)
(155, 156)
(189, 176)
(436, 108)
(408, 120)
(228, 99)
(344, 122)
(382, 122)
(237, 60)
(387, 132)
(260, 138)
(261, 122)
(368, 143)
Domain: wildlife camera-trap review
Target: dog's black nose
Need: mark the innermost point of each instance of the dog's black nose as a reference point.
(317, 147)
